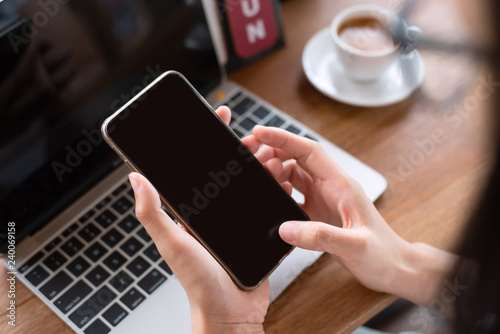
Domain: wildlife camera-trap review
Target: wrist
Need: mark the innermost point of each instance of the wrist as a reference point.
(421, 273)
(240, 328)
(205, 324)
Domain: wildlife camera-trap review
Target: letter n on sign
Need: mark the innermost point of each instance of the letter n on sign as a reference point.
(252, 25)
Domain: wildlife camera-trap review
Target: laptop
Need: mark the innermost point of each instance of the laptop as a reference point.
(64, 194)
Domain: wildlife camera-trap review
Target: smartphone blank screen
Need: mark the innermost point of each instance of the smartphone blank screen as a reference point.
(207, 176)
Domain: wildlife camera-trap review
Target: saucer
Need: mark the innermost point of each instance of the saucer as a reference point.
(323, 70)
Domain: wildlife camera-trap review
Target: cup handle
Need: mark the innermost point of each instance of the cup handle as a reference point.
(413, 36)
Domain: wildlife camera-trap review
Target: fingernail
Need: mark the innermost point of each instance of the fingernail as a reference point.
(288, 231)
(134, 181)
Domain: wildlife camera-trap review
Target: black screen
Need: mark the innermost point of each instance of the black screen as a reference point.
(67, 65)
(207, 176)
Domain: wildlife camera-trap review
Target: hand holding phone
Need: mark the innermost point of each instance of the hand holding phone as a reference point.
(205, 176)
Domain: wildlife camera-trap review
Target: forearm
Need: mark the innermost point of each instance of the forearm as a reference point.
(423, 274)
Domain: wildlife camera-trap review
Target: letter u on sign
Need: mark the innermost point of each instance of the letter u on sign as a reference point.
(252, 24)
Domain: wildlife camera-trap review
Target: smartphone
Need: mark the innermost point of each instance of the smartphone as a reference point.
(205, 176)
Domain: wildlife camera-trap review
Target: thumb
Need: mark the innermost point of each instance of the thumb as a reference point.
(176, 246)
(157, 223)
(148, 205)
(317, 236)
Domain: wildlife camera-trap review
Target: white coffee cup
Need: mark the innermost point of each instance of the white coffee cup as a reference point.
(362, 65)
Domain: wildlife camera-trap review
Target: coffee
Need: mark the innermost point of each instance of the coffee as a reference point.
(366, 34)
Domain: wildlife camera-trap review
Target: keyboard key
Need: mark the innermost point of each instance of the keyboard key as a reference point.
(138, 266)
(132, 298)
(54, 261)
(115, 314)
(238, 133)
(143, 234)
(275, 121)
(243, 106)
(72, 246)
(95, 252)
(112, 237)
(152, 281)
(34, 259)
(97, 275)
(106, 218)
(118, 190)
(248, 124)
(50, 246)
(87, 216)
(89, 232)
(78, 266)
(97, 327)
(103, 203)
(131, 193)
(114, 261)
(129, 223)
(72, 297)
(152, 253)
(131, 246)
(56, 284)
(293, 129)
(122, 205)
(121, 281)
(70, 229)
(37, 275)
(311, 137)
(235, 96)
(92, 306)
(261, 112)
(164, 266)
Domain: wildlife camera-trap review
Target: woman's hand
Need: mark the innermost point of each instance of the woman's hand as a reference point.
(345, 223)
(217, 304)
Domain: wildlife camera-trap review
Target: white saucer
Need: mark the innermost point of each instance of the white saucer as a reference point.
(323, 70)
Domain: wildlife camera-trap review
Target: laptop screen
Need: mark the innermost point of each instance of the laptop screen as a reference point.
(65, 66)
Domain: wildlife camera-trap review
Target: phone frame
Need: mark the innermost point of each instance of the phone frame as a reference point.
(130, 164)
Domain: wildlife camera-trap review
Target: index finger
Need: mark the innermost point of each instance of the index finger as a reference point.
(308, 153)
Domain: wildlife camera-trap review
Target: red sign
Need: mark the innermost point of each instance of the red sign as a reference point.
(252, 24)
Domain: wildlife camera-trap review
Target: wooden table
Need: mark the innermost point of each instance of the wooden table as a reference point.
(433, 148)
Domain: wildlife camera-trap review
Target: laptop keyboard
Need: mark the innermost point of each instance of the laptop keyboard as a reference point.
(247, 112)
(101, 267)
(104, 264)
